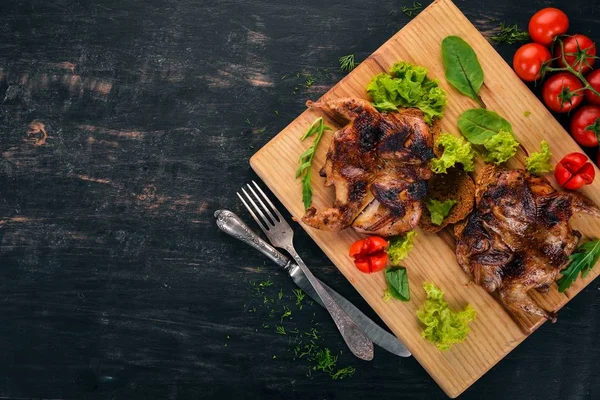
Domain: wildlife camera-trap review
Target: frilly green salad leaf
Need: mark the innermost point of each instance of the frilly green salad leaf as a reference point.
(538, 163)
(399, 247)
(439, 210)
(407, 85)
(456, 150)
(463, 70)
(443, 327)
(478, 125)
(397, 282)
(500, 147)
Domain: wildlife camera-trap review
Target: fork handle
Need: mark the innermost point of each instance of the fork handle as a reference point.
(358, 343)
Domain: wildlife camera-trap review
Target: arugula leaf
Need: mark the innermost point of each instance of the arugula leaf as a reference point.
(304, 170)
(456, 150)
(439, 210)
(397, 281)
(538, 163)
(478, 125)
(581, 262)
(463, 70)
(500, 147)
(400, 246)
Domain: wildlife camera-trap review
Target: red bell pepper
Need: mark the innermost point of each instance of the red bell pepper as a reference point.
(369, 254)
(574, 171)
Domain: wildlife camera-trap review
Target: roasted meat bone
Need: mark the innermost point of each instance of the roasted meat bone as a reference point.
(519, 237)
(377, 165)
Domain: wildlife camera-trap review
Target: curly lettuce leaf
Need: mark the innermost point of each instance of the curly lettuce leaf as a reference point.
(439, 210)
(538, 163)
(399, 247)
(500, 147)
(456, 150)
(407, 85)
(443, 327)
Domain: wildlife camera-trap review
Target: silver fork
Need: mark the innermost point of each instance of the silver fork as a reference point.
(280, 235)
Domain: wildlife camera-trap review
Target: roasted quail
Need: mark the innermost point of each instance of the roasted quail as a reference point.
(377, 164)
(518, 237)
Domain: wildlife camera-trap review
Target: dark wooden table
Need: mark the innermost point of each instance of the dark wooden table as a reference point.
(114, 281)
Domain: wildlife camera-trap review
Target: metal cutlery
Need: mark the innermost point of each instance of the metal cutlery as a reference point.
(231, 224)
(281, 235)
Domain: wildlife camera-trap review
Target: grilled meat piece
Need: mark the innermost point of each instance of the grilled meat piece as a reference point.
(377, 165)
(519, 237)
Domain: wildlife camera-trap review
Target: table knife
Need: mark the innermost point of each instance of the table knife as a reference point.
(231, 224)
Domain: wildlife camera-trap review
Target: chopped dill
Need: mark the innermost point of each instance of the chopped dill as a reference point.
(412, 12)
(347, 63)
(510, 34)
(300, 294)
(342, 373)
(280, 329)
(286, 313)
(280, 295)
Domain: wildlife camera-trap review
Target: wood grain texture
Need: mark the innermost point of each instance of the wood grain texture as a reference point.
(495, 332)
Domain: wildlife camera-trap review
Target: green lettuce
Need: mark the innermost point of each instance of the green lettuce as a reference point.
(538, 163)
(500, 147)
(443, 327)
(439, 210)
(399, 247)
(456, 150)
(407, 85)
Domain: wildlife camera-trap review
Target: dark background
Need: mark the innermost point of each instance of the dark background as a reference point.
(114, 280)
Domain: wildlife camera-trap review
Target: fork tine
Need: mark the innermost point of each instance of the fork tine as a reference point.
(257, 209)
(265, 208)
(258, 221)
(268, 201)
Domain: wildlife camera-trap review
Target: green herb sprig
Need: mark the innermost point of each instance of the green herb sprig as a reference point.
(510, 34)
(347, 63)
(304, 170)
(581, 262)
(412, 12)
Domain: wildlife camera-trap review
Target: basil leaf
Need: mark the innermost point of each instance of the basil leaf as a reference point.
(463, 70)
(397, 281)
(478, 125)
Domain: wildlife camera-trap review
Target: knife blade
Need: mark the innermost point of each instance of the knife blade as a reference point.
(231, 224)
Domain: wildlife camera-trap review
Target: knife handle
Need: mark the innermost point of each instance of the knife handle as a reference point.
(231, 224)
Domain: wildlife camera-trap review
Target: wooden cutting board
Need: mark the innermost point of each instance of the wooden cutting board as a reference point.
(495, 332)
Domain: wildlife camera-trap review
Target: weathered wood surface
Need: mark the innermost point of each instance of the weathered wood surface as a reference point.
(113, 279)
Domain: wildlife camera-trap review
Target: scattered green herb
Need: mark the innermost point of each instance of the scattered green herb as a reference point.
(580, 262)
(247, 121)
(280, 329)
(510, 34)
(456, 150)
(463, 70)
(304, 170)
(526, 114)
(343, 373)
(347, 63)
(400, 246)
(299, 293)
(439, 210)
(386, 295)
(412, 12)
(538, 163)
(478, 125)
(500, 147)
(397, 282)
(286, 313)
(407, 85)
(443, 327)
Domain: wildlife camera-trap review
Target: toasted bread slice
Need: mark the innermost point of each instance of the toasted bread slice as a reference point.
(455, 185)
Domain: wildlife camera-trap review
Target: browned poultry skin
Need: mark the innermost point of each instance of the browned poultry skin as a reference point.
(376, 164)
(519, 237)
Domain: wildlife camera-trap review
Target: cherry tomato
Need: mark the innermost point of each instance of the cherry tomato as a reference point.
(369, 254)
(579, 53)
(585, 126)
(546, 24)
(528, 60)
(593, 79)
(574, 171)
(558, 92)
